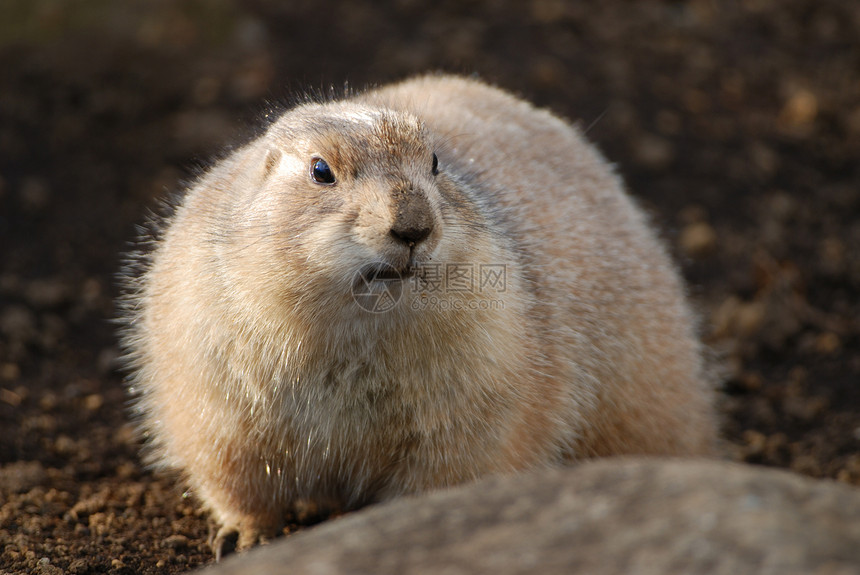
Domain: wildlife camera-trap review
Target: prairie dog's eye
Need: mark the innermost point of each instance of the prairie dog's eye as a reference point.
(435, 168)
(320, 172)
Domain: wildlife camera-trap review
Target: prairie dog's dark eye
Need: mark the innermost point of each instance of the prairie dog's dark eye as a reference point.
(435, 168)
(320, 172)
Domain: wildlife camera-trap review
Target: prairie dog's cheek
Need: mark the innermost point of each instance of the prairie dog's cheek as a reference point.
(330, 244)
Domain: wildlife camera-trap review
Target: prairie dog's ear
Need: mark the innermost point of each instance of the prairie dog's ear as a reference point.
(273, 157)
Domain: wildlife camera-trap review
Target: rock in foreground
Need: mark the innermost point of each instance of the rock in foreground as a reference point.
(609, 516)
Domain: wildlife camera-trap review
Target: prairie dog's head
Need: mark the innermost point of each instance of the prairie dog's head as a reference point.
(346, 193)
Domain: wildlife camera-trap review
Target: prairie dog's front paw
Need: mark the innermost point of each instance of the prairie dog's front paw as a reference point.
(230, 538)
(225, 541)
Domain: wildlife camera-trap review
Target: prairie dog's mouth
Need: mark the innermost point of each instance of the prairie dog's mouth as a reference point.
(380, 272)
(385, 272)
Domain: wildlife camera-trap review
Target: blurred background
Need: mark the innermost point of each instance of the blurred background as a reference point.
(736, 124)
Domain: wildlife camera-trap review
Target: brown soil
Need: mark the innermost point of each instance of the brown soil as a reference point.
(736, 124)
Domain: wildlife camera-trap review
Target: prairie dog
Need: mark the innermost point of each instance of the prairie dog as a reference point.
(404, 290)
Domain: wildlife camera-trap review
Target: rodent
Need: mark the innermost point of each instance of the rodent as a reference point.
(262, 371)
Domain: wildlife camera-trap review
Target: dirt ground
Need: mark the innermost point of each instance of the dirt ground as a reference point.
(737, 125)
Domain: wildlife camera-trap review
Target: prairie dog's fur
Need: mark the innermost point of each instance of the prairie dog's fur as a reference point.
(261, 377)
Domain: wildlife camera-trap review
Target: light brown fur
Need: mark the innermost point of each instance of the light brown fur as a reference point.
(261, 378)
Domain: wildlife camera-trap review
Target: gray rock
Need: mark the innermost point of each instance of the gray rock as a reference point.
(609, 516)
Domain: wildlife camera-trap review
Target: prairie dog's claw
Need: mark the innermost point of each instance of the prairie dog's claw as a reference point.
(225, 542)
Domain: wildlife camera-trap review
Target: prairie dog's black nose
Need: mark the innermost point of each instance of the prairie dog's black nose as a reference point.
(413, 217)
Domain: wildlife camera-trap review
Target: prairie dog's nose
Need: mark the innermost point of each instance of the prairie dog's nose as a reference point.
(413, 217)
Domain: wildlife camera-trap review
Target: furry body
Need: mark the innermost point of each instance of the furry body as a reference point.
(263, 379)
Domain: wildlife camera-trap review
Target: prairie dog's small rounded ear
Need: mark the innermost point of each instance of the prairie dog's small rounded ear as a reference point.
(273, 157)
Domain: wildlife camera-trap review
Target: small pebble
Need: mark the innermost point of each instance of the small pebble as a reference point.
(176, 542)
(827, 343)
(654, 152)
(10, 372)
(93, 402)
(698, 239)
(10, 397)
(800, 110)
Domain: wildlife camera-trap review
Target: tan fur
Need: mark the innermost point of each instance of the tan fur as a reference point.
(261, 378)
